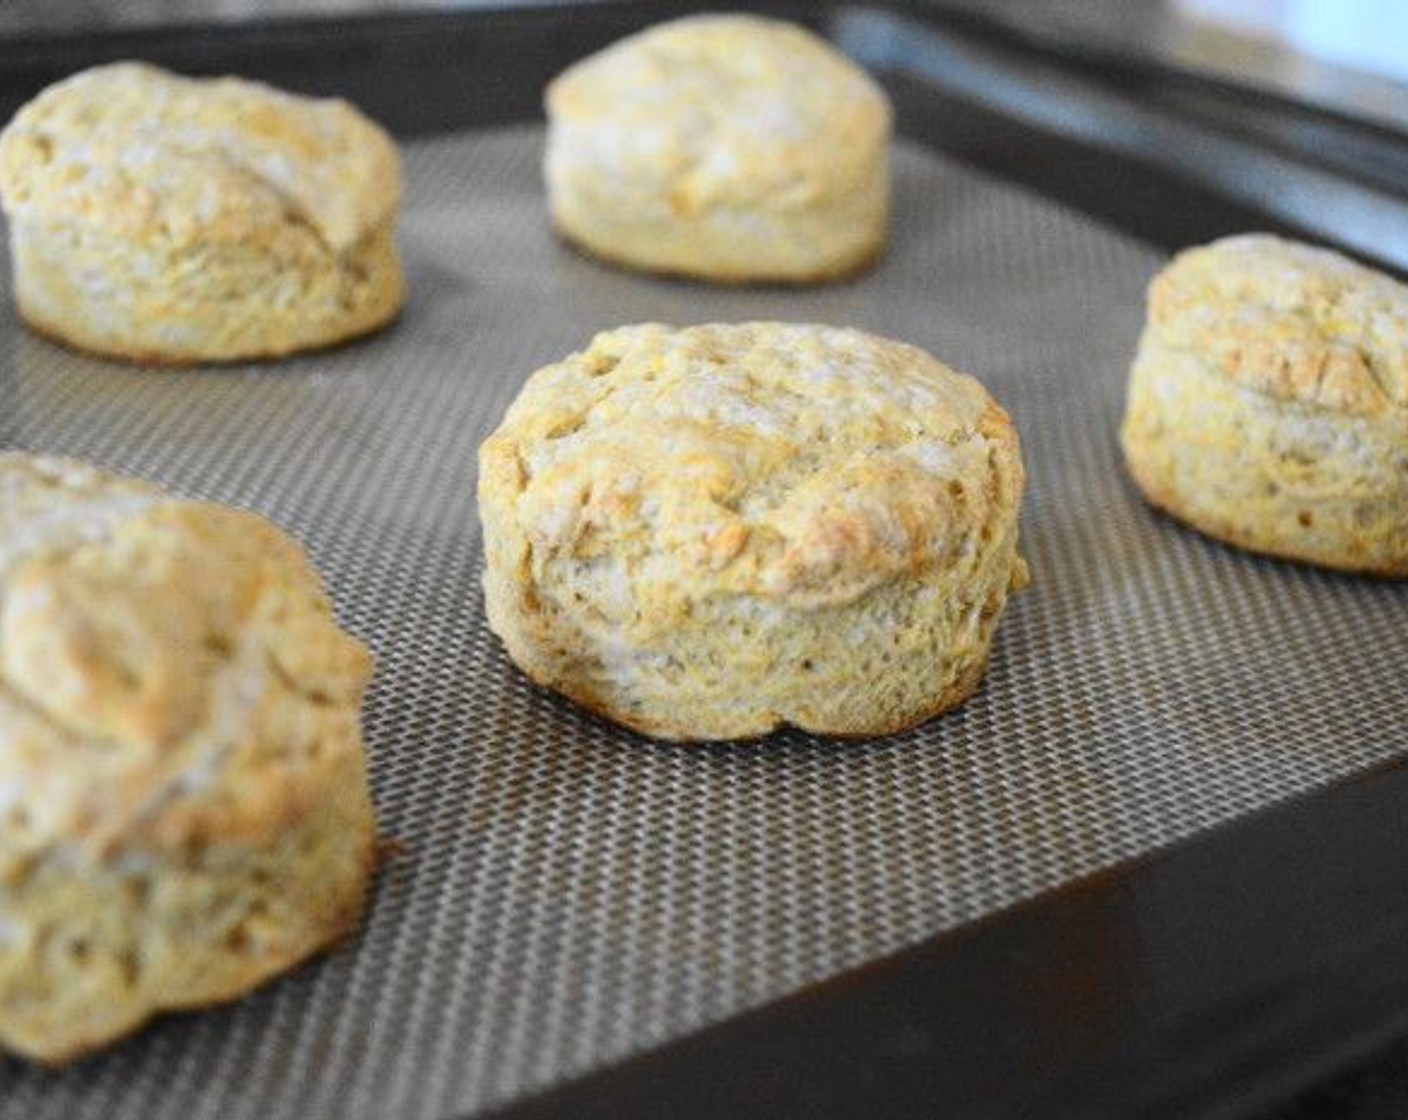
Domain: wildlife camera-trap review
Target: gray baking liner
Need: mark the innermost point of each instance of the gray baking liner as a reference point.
(568, 893)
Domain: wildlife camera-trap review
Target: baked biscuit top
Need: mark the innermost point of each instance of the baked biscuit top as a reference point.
(731, 109)
(135, 151)
(804, 465)
(1295, 323)
(170, 671)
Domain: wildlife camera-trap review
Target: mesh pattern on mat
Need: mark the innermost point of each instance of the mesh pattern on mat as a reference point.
(568, 893)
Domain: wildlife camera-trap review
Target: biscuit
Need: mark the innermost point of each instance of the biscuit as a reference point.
(174, 221)
(712, 532)
(1268, 403)
(726, 148)
(184, 807)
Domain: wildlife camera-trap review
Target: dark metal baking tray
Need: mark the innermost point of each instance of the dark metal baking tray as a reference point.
(1164, 881)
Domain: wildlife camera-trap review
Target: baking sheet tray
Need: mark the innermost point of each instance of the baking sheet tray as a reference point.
(566, 893)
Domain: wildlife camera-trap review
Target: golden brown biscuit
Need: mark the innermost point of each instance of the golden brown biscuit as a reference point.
(1268, 403)
(728, 148)
(183, 797)
(711, 532)
(170, 220)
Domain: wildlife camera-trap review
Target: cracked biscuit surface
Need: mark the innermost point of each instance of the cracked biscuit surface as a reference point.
(1268, 403)
(712, 532)
(184, 807)
(174, 220)
(727, 148)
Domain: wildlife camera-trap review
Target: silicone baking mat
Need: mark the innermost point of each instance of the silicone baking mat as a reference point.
(565, 893)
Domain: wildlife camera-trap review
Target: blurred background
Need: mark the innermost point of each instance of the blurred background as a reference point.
(1347, 54)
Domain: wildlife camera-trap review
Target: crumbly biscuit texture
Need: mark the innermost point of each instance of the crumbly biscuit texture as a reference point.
(135, 151)
(711, 532)
(183, 798)
(1268, 402)
(731, 148)
(179, 219)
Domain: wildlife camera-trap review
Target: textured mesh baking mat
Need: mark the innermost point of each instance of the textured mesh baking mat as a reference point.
(568, 893)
